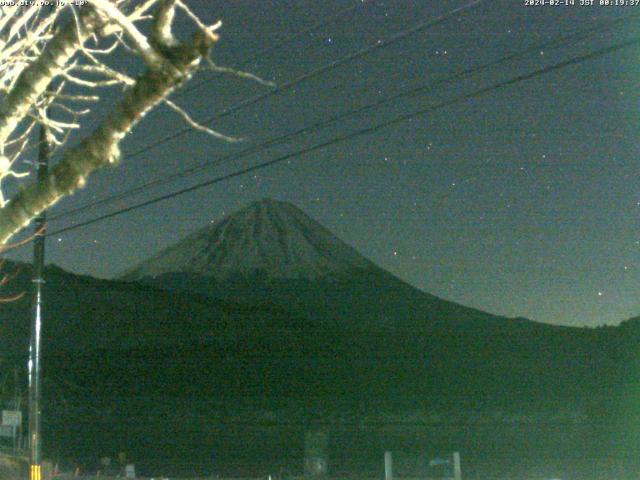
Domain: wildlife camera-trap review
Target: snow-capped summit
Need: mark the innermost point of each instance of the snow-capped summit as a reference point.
(267, 237)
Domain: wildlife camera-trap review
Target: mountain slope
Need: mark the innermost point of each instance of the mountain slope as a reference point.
(267, 236)
(252, 330)
(125, 363)
(271, 251)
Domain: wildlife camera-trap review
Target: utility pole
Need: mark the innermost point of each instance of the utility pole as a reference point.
(17, 434)
(35, 380)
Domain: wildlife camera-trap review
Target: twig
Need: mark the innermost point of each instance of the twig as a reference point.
(195, 125)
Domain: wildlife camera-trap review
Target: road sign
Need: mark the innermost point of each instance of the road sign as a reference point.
(130, 471)
(7, 431)
(11, 418)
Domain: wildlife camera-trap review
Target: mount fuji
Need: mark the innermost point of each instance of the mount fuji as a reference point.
(272, 252)
(266, 319)
(267, 237)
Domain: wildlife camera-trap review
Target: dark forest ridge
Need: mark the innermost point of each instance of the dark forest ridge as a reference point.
(281, 353)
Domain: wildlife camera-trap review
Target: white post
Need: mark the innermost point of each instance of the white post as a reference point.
(388, 466)
(316, 446)
(457, 470)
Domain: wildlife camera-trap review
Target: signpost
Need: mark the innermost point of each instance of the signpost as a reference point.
(12, 418)
(130, 471)
(388, 466)
(11, 421)
(457, 470)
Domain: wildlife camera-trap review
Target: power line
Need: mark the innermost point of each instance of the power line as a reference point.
(265, 51)
(309, 75)
(314, 73)
(357, 133)
(133, 423)
(558, 42)
(276, 46)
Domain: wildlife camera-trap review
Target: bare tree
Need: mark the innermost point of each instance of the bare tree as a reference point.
(54, 63)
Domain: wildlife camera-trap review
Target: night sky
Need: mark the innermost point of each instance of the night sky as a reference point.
(521, 202)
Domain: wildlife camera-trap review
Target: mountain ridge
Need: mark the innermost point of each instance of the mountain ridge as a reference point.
(142, 352)
(272, 251)
(267, 236)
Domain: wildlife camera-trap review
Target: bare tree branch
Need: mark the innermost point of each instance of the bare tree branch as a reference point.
(49, 66)
(240, 74)
(139, 40)
(197, 126)
(34, 80)
(102, 147)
